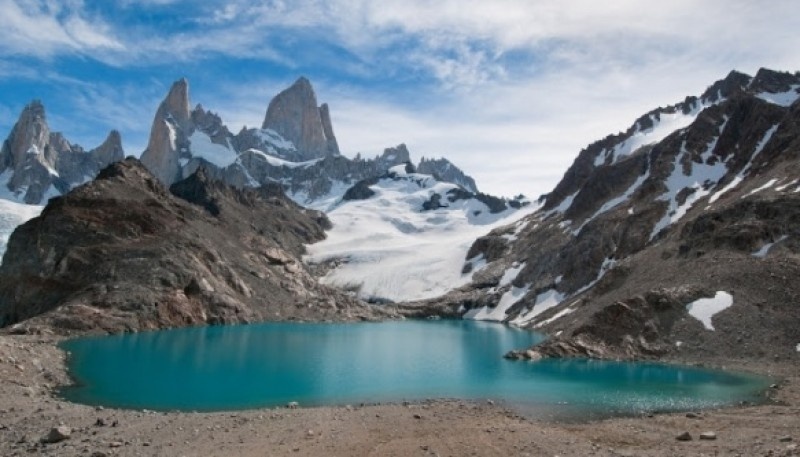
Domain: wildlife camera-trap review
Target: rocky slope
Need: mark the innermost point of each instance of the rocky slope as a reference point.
(122, 253)
(295, 147)
(696, 200)
(36, 163)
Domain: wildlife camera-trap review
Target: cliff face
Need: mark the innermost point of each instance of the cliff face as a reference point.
(169, 135)
(695, 199)
(123, 253)
(36, 163)
(295, 116)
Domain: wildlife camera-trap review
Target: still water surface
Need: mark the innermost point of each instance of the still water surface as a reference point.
(260, 365)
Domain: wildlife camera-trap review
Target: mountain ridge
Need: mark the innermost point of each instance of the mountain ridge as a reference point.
(295, 147)
(37, 163)
(620, 235)
(124, 253)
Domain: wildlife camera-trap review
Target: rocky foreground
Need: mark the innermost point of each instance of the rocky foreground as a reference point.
(33, 421)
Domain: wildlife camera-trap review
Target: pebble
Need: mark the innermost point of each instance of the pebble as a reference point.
(785, 439)
(417, 416)
(708, 436)
(691, 415)
(685, 436)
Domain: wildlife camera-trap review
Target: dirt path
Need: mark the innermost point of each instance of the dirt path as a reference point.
(31, 367)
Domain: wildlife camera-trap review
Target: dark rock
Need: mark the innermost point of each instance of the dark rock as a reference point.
(685, 436)
(492, 247)
(122, 254)
(435, 202)
(444, 170)
(360, 190)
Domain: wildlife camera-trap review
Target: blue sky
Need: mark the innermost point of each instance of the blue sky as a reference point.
(509, 90)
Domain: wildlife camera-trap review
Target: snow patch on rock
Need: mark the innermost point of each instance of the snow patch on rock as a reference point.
(784, 99)
(499, 312)
(12, 214)
(740, 177)
(704, 309)
(764, 250)
(511, 274)
(544, 301)
(663, 126)
(701, 178)
(202, 147)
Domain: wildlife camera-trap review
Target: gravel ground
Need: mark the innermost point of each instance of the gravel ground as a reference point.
(32, 368)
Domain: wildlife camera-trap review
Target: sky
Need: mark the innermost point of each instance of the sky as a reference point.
(508, 90)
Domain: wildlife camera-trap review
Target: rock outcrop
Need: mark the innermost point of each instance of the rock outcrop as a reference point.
(36, 164)
(445, 170)
(295, 116)
(123, 253)
(695, 198)
(169, 134)
(295, 147)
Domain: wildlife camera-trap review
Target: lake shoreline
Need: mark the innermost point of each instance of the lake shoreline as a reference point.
(32, 368)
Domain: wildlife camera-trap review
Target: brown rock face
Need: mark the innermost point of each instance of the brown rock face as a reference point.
(294, 115)
(171, 127)
(327, 129)
(30, 133)
(122, 253)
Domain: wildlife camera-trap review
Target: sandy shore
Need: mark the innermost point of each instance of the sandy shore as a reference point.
(31, 368)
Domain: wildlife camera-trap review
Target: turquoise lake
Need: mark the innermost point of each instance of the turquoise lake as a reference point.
(263, 365)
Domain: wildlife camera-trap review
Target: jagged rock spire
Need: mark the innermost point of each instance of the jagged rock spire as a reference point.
(42, 163)
(30, 134)
(294, 115)
(171, 119)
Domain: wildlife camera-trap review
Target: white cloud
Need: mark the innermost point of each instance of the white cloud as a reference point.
(510, 90)
(44, 28)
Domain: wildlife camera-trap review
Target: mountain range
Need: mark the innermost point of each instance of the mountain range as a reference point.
(405, 212)
(677, 237)
(295, 147)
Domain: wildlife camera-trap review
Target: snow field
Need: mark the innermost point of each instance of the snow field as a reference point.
(391, 249)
